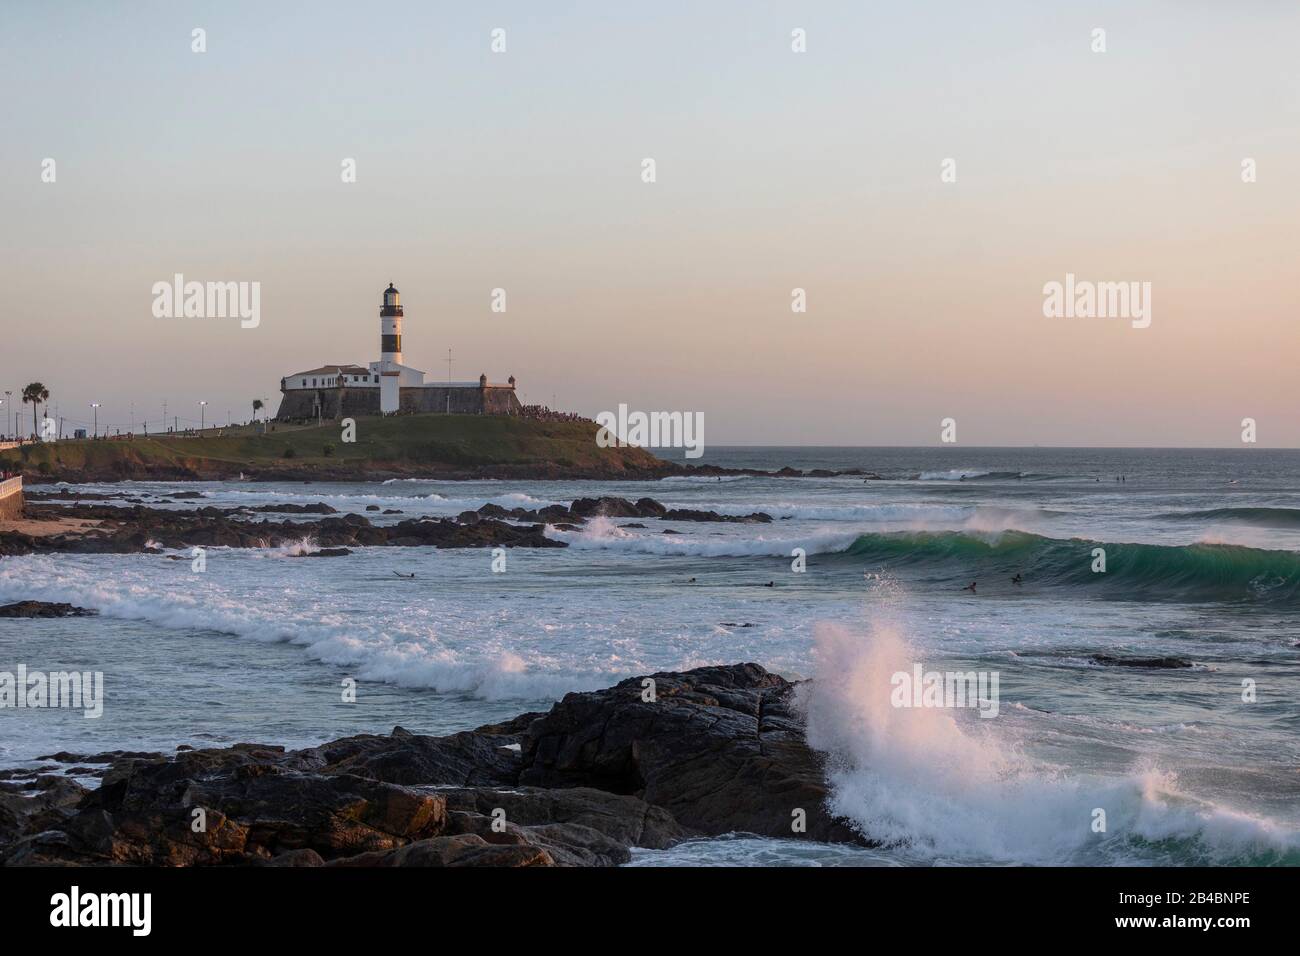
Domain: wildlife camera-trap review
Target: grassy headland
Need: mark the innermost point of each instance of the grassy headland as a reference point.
(442, 446)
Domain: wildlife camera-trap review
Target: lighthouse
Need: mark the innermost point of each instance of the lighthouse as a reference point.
(388, 386)
(390, 351)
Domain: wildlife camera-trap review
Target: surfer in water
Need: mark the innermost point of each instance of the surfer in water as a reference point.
(401, 575)
(970, 587)
(1017, 580)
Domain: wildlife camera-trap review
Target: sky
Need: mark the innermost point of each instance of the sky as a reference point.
(775, 170)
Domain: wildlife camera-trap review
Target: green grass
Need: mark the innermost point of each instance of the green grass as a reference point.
(438, 442)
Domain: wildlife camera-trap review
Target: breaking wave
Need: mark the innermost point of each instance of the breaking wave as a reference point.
(943, 789)
(1192, 572)
(602, 534)
(407, 655)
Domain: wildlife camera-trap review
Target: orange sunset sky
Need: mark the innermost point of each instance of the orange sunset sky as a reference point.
(774, 170)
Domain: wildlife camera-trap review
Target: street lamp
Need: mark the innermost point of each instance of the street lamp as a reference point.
(95, 406)
(9, 410)
(203, 411)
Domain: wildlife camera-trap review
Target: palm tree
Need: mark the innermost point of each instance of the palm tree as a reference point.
(257, 406)
(35, 393)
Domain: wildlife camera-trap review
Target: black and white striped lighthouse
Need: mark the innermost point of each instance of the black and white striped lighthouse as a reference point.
(390, 326)
(390, 351)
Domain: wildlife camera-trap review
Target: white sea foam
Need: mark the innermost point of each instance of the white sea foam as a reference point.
(407, 655)
(603, 534)
(820, 512)
(297, 549)
(946, 787)
(512, 500)
(897, 516)
(431, 481)
(953, 474)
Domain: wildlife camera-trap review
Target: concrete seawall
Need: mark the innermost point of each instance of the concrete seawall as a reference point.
(11, 498)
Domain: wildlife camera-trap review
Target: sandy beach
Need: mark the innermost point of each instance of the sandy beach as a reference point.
(46, 527)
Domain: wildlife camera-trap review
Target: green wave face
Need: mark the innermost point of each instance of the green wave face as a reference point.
(1197, 572)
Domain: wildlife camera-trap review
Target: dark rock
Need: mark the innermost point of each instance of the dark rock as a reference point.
(719, 748)
(26, 773)
(313, 509)
(609, 507)
(566, 844)
(256, 807)
(303, 857)
(108, 756)
(465, 849)
(604, 507)
(129, 531)
(506, 728)
(690, 514)
(41, 805)
(44, 609)
(1160, 662)
(469, 758)
(626, 819)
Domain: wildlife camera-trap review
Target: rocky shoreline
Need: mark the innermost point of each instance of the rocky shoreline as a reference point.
(143, 529)
(384, 471)
(647, 763)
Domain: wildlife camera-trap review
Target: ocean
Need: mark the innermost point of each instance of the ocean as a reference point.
(1194, 764)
